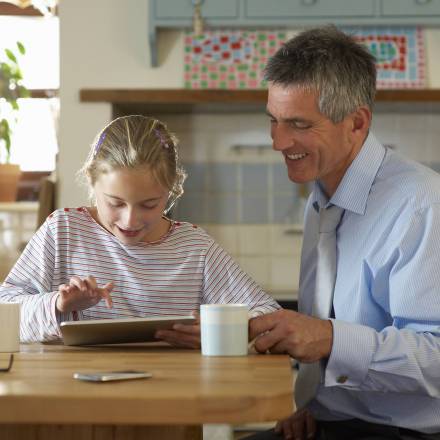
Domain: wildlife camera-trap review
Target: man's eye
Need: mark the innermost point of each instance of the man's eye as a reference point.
(301, 125)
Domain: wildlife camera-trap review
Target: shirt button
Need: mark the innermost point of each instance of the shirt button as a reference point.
(342, 379)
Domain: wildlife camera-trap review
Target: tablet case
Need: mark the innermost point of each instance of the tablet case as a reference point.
(116, 331)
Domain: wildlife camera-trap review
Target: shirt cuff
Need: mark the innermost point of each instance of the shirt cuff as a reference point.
(55, 316)
(352, 352)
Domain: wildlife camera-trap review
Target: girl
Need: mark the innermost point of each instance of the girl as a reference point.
(122, 257)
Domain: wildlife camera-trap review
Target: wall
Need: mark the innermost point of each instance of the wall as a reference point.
(104, 45)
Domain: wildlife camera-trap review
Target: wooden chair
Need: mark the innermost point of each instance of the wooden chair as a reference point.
(46, 200)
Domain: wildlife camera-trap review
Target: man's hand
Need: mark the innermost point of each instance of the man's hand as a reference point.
(305, 338)
(299, 426)
(182, 335)
(81, 294)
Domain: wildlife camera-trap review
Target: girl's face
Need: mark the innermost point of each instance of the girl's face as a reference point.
(130, 204)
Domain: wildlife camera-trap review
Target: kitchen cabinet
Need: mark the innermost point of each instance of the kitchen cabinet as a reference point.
(411, 8)
(309, 9)
(288, 14)
(183, 10)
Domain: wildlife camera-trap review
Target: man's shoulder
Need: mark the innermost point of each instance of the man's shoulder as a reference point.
(407, 179)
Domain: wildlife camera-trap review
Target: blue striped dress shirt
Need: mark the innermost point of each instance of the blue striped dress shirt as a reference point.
(385, 361)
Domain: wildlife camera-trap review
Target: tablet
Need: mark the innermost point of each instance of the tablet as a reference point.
(117, 331)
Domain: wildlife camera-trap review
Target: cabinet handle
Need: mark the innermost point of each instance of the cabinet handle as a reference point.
(422, 2)
(309, 2)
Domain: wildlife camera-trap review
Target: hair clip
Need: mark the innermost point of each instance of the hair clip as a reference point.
(161, 138)
(98, 144)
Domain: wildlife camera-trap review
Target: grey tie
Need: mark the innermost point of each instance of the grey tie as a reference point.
(309, 375)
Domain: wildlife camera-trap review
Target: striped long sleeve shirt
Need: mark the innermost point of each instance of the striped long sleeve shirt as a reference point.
(172, 276)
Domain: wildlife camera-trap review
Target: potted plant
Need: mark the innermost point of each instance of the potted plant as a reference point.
(11, 89)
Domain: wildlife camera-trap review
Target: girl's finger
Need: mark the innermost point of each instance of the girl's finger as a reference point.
(109, 286)
(178, 339)
(192, 329)
(78, 283)
(91, 282)
(108, 298)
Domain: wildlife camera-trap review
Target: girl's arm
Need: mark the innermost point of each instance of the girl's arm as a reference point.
(226, 282)
(30, 284)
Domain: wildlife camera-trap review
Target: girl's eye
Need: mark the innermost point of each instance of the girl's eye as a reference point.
(149, 206)
(116, 205)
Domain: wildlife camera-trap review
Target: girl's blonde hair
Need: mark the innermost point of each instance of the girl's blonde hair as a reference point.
(136, 142)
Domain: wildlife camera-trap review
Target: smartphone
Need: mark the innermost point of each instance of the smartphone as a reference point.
(109, 376)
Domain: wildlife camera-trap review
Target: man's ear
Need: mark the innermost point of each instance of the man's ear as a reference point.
(361, 120)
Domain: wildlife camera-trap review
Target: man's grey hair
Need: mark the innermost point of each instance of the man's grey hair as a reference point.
(330, 62)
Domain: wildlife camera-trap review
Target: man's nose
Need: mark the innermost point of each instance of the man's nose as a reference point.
(281, 139)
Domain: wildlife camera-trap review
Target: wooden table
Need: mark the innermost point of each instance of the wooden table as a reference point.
(39, 399)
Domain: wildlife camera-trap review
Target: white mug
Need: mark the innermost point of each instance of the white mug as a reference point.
(224, 329)
(9, 327)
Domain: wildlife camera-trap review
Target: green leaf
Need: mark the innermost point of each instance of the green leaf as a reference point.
(5, 133)
(11, 56)
(21, 48)
(23, 92)
(11, 89)
(18, 74)
(8, 147)
(6, 69)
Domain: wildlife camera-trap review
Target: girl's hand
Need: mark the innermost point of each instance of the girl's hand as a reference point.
(182, 335)
(82, 294)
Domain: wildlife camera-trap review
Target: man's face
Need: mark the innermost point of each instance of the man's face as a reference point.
(314, 148)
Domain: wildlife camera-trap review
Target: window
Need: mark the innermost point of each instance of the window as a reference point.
(34, 142)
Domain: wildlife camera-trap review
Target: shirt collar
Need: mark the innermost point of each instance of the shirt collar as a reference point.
(353, 190)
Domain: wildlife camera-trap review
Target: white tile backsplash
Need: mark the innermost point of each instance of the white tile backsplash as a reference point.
(268, 253)
(285, 240)
(210, 137)
(284, 273)
(226, 236)
(258, 268)
(253, 240)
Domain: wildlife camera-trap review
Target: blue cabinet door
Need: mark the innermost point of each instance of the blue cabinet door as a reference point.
(309, 8)
(414, 8)
(175, 9)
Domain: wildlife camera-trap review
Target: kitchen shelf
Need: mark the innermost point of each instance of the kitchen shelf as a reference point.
(43, 93)
(196, 101)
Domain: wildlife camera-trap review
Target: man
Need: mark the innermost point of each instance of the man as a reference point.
(378, 349)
